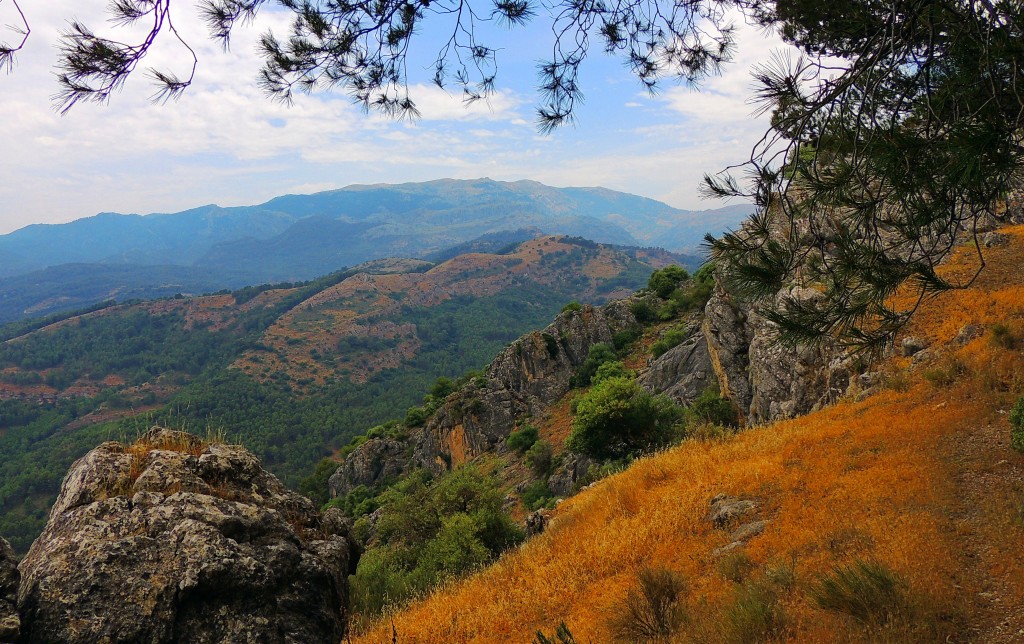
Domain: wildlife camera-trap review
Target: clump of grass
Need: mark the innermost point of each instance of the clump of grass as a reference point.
(945, 373)
(755, 615)
(562, 635)
(736, 566)
(1003, 337)
(654, 610)
(868, 591)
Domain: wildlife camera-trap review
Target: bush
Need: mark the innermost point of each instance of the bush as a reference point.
(1017, 425)
(666, 280)
(611, 370)
(537, 495)
(710, 407)
(1003, 337)
(736, 566)
(416, 416)
(523, 438)
(538, 457)
(572, 307)
(867, 591)
(598, 354)
(672, 338)
(654, 610)
(619, 418)
(624, 338)
(755, 614)
(643, 311)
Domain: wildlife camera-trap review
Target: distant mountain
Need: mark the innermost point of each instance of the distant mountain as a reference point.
(299, 237)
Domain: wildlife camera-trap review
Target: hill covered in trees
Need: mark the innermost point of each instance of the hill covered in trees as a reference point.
(292, 371)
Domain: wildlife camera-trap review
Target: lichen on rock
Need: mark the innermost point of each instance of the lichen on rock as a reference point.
(174, 539)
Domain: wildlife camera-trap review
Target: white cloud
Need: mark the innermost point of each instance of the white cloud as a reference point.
(225, 142)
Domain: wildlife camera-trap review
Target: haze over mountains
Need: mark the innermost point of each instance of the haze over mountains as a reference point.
(48, 268)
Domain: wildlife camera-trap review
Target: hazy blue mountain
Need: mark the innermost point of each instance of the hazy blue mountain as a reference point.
(299, 237)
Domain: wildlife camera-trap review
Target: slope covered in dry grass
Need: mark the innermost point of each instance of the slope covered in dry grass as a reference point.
(917, 479)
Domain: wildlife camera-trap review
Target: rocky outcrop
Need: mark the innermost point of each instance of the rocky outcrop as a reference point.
(683, 372)
(526, 377)
(10, 623)
(176, 540)
(382, 459)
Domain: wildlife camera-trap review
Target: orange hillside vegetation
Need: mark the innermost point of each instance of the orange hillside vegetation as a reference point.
(917, 479)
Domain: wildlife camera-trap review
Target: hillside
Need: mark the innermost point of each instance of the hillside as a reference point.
(292, 371)
(893, 515)
(299, 237)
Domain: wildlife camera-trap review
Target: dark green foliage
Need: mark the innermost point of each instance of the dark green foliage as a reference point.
(572, 307)
(672, 338)
(551, 344)
(562, 635)
(428, 531)
(643, 311)
(622, 339)
(523, 438)
(654, 610)
(315, 485)
(416, 416)
(1003, 337)
(1017, 425)
(619, 418)
(537, 495)
(359, 502)
(710, 407)
(663, 281)
(866, 590)
(598, 354)
(614, 369)
(690, 296)
(539, 458)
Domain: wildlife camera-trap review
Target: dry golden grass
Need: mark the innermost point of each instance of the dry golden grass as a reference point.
(921, 481)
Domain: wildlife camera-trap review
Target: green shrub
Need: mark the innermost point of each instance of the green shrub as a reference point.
(643, 311)
(523, 438)
(428, 530)
(654, 610)
(626, 337)
(537, 495)
(572, 307)
(664, 281)
(672, 338)
(1003, 337)
(611, 370)
(619, 418)
(598, 354)
(755, 614)
(946, 372)
(867, 591)
(1017, 425)
(539, 458)
(711, 407)
(736, 566)
(416, 416)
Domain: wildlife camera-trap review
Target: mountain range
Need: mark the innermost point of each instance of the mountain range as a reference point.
(46, 268)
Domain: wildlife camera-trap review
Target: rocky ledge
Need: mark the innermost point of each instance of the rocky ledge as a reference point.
(175, 539)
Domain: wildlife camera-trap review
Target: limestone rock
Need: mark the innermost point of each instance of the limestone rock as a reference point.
(536, 523)
(728, 338)
(379, 459)
(912, 345)
(10, 623)
(173, 540)
(683, 372)
(726, 509)
(967, 333)
(566, 478)
(748, 531)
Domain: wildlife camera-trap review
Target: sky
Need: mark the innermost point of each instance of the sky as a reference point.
(225, 142)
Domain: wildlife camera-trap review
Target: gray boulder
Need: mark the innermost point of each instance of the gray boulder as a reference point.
(176, 540)
(683, 372)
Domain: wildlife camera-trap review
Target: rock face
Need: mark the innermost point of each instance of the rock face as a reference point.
(683, 372)
(10, 623)
(175, 540)
(531, 373)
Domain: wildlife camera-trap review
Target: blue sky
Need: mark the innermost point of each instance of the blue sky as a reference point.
(224, 142)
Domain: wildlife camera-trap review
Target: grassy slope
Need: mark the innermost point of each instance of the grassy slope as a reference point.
(918, 476)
